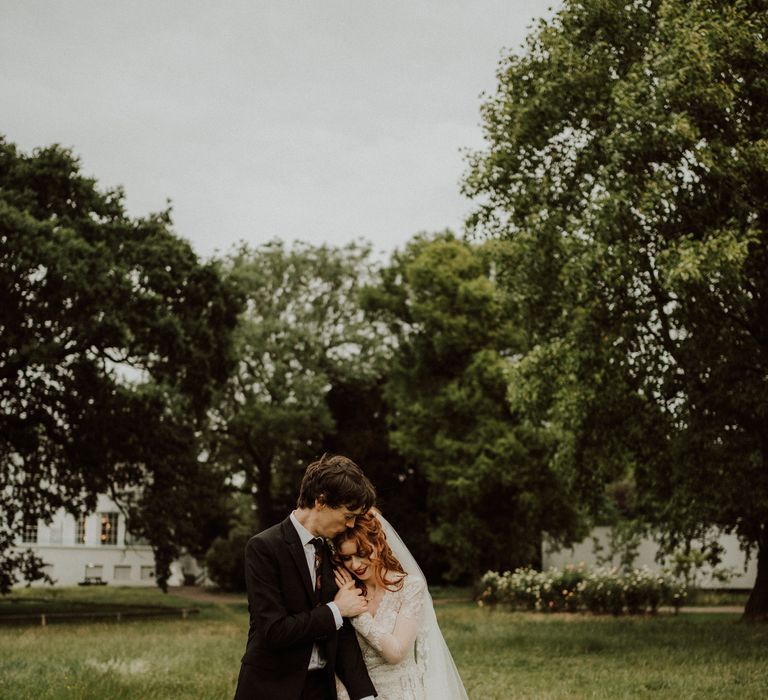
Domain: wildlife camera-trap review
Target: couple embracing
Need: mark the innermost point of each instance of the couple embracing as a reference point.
(338, 606)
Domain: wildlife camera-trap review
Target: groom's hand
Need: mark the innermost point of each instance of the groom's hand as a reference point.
(350, 600)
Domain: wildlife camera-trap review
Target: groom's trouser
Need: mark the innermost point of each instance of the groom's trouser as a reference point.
(316, 686)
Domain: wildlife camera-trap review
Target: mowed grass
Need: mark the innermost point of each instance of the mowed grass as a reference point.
(148, 659)
(97, 595)
(527, 655)
(57, 601)
(500, 655)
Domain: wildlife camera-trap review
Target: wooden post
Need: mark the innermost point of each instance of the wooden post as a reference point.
(43, 622)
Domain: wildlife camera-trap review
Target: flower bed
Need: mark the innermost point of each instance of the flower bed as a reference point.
(575, 588)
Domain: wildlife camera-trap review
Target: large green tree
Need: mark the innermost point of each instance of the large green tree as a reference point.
(302, 332)
(626, 166)
(490, 493)
(113, 336)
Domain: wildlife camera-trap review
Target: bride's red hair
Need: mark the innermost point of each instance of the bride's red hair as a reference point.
(371, 540)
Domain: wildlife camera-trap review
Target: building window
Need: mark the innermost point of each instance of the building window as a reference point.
(55, 533)
(147, 573)
(122, 573)
(80, 534)
(108, 528)
(94, 571)
(29, 535)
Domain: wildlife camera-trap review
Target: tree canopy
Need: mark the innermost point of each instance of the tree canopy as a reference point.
(113, 336)
(490, 490)
(626, 165)
(301, 333)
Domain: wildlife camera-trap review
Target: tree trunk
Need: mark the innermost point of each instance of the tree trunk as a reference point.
(263, 496)
(757, 605)
(261, 484)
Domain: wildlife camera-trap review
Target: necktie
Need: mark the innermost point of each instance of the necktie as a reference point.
(319, 545)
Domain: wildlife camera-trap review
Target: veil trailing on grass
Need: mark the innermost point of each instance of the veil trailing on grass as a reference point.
(441, 677)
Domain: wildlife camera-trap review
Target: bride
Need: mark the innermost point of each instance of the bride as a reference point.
(403, 648)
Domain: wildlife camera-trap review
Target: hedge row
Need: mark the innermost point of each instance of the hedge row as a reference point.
(575, 588)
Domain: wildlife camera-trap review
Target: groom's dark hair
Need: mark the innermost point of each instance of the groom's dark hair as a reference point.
(337, 481)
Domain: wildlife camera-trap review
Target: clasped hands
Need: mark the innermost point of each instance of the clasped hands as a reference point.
(349, 600)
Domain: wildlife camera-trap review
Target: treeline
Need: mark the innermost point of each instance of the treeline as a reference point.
(196, 393)
(597, 348)
(404, 368)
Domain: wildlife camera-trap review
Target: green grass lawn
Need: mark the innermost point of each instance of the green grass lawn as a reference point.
(707, 598)
(85, 600)
(500, 655)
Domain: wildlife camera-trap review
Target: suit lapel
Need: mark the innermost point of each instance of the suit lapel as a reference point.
(299, 558)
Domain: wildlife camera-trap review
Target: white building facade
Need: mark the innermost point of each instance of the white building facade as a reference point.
(588, 551)
(97, 546)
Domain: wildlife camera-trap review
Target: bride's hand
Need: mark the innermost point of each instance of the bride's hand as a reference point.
(349, 599)
(343, 577)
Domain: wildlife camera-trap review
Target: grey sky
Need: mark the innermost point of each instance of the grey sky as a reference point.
(320, 120)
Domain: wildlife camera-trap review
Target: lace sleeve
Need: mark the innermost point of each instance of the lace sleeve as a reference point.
(413, 597)
(395, 645)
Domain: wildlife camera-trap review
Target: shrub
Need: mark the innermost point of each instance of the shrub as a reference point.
(571, 589)
(604, 591)
(225, 561)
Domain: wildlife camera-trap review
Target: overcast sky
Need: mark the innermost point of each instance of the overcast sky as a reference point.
(325, 121)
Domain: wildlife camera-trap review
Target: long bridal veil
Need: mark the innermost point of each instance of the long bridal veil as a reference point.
(441, 678)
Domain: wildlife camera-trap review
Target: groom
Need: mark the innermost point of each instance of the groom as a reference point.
(298, 640)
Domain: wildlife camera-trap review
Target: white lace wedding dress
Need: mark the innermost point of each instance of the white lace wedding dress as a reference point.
(404, 651)
(392, 650)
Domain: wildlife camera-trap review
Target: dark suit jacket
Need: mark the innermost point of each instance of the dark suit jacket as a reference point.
(284, 623)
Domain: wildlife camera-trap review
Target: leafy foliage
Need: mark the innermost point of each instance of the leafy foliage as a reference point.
(574, 589)
(224, 558)
(490, 491)
(626, 168)
(302, 332)
(113, 336)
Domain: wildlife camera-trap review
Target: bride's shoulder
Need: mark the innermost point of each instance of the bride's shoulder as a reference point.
(401, 582)
(413, 596)
(412, 585)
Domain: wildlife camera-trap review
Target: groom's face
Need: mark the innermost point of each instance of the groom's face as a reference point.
(330, 522)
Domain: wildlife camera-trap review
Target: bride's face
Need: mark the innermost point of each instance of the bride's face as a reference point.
(360, 567)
